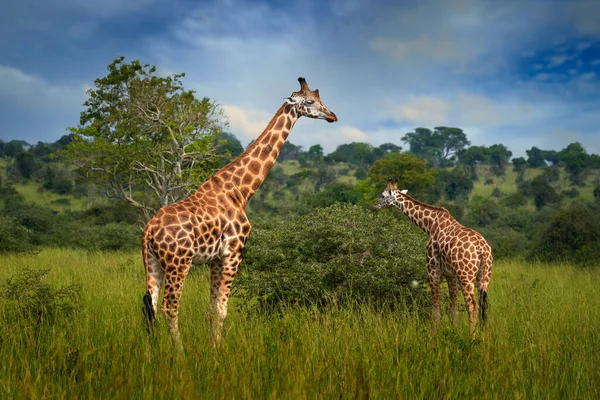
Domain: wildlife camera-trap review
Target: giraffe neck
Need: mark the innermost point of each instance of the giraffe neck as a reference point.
(424, 216)
(247, 172)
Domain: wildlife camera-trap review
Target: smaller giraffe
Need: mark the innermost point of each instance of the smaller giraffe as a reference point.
(455, 252)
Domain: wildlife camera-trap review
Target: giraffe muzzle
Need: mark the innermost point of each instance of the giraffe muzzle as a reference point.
(331, 118)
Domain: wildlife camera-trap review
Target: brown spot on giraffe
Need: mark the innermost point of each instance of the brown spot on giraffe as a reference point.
(211, 225)
(455, 252)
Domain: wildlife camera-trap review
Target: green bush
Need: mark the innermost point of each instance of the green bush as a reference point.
(31, 301)
(506, 242)
(572, 235)
(339, 253)
(110, 237)
(13, 236)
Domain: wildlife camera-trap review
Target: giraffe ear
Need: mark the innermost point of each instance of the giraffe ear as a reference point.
(290, 100)
(404, 191)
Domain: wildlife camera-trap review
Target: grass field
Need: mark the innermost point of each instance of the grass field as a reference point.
(541, 341)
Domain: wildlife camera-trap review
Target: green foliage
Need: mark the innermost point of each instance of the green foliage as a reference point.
(339, 253)
(482, 211)
(14, 237)
(358, 154)
(110, 237)
(32, 301)
(541, 191)
(572, 235)
(336, 192)
(411, 172)
(228, 146)
(439, 147)
(143, 133)
(454, 184)
(576, 162)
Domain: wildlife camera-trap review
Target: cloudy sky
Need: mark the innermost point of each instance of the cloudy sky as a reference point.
(518, 72)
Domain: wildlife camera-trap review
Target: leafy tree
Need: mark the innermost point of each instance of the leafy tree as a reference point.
(228, 145)
(412, 173)
(453, 141)
(471, 157)
(541, 191)
(389, 148)
(315, 152)
(144, 138)
(498, 157)
(535, 157)
(336, 192)
(25, 164)
(454, 184)
(576, 161)
(10, 149)
(14, 237)
(439, 147)
(520, 167)
(573, 235)
(359, 154)
(289, 151)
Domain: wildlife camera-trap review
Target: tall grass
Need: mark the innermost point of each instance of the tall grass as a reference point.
(541, 341)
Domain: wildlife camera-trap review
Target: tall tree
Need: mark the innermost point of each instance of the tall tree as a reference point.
(576, 162)
(439, 147)
(498, 157)
(145, 138)
(412, 172)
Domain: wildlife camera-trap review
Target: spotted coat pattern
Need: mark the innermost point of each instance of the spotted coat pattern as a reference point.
(211, 225)
(455, 252)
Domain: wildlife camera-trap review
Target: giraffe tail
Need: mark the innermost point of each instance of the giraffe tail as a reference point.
(483, 304)
(148, 309)
(484, 280)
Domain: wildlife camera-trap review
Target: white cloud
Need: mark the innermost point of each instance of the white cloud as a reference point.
(246, 124)
(29, 91)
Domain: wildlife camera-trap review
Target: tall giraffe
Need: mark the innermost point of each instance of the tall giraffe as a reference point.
(211, 226)
(455, 252)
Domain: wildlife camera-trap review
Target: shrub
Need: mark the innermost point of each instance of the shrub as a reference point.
(573, 235)
(506, 242)
(110, 237)
(30, 300)
(334, 254)
(13, 236)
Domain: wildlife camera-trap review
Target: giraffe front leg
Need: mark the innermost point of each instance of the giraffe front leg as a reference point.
(453, 291)
(434, 277)
(222, 274)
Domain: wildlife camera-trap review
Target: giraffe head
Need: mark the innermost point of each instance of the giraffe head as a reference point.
(390, 195)
(308, 103)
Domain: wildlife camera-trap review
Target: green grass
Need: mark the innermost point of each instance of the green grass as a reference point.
(541, 341)
(508, 185)
(50, 199)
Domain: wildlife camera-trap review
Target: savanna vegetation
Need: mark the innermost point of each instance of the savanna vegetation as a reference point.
(326, 303)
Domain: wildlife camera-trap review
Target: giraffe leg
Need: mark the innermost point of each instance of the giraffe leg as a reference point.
(154, 278)
(453, 289)
(222, 274)
(468, 289)
(173, 288)
(434, 277)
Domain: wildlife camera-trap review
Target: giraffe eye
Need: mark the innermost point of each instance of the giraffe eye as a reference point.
(309, 102)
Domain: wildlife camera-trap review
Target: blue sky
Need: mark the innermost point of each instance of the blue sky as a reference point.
(522, 73)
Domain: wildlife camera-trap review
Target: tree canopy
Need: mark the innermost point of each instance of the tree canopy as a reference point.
(145, 138)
